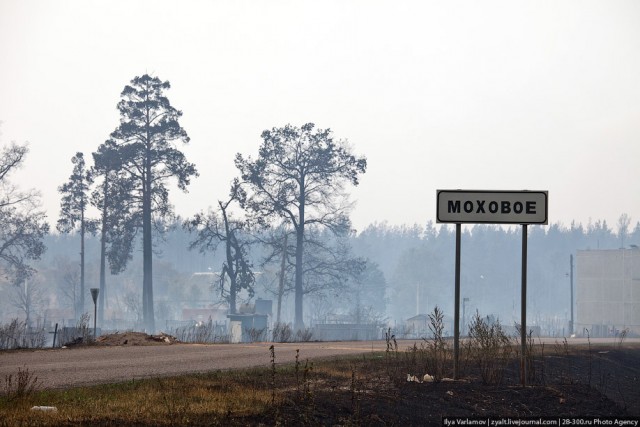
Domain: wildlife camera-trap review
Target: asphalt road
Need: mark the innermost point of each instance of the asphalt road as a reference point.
(61, 368)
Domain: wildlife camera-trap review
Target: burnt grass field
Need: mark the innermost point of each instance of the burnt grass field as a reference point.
(572, 381)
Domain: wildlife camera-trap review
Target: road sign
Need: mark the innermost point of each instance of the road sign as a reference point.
(94, 294)
(492, 207)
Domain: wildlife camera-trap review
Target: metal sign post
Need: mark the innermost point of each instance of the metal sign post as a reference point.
(523, 310)
(456, 315)
(491, 207)
(94, 296)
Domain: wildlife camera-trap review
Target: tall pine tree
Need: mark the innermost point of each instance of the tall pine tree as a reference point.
(147, 138)
(73, 206)
(117, 224)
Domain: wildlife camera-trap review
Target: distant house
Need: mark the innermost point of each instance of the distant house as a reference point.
(418, 326)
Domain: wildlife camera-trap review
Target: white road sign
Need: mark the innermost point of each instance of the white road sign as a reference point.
(492, 207)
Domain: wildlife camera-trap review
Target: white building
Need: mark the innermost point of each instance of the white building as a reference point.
(608, 292)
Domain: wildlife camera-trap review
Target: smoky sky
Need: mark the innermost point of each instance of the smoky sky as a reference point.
(492, 95)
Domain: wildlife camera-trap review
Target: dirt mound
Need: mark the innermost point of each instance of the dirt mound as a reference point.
(135, 338)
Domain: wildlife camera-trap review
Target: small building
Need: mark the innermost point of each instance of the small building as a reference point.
(251, 322)
(608, 292)
(248, 327)
(418, 326)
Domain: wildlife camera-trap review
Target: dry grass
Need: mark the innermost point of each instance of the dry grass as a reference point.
(369, 389)
(201, 399)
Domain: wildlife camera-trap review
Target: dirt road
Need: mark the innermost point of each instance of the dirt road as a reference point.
(60, 368)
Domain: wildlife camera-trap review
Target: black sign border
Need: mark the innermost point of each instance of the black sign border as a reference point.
(546, 206)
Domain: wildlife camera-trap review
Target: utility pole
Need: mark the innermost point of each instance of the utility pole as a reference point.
(571, 285)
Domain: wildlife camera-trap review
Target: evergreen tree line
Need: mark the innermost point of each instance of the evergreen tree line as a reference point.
(409, 270)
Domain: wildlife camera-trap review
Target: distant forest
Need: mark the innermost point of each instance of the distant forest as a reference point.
(410, 270)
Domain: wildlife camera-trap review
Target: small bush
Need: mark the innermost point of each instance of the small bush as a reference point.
(282, 332)
(20, 386)
(17, 334)
(255, 335)
(304, 335)
(490, 347)
(202, 333)
(437, 347)
(82, 333)
(622, 336)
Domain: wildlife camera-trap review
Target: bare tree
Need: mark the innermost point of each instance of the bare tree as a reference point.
(279, 256)
(367, 294)
(29, 297)
(220, 226)
(623, 228)
(66, 274)
(22, 222)
(329, 267)
(133, 305)
(322, 307)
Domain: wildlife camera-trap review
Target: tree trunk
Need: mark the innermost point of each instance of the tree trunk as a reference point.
(103, 255)
(232, 295)
(82, 261)
(281, 283)
(101, 296)
(147, 248)
(299, 322)
(147, 282)
(231, 272)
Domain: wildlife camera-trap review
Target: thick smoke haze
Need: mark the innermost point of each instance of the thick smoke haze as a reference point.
(493, 95)
(490, 95)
